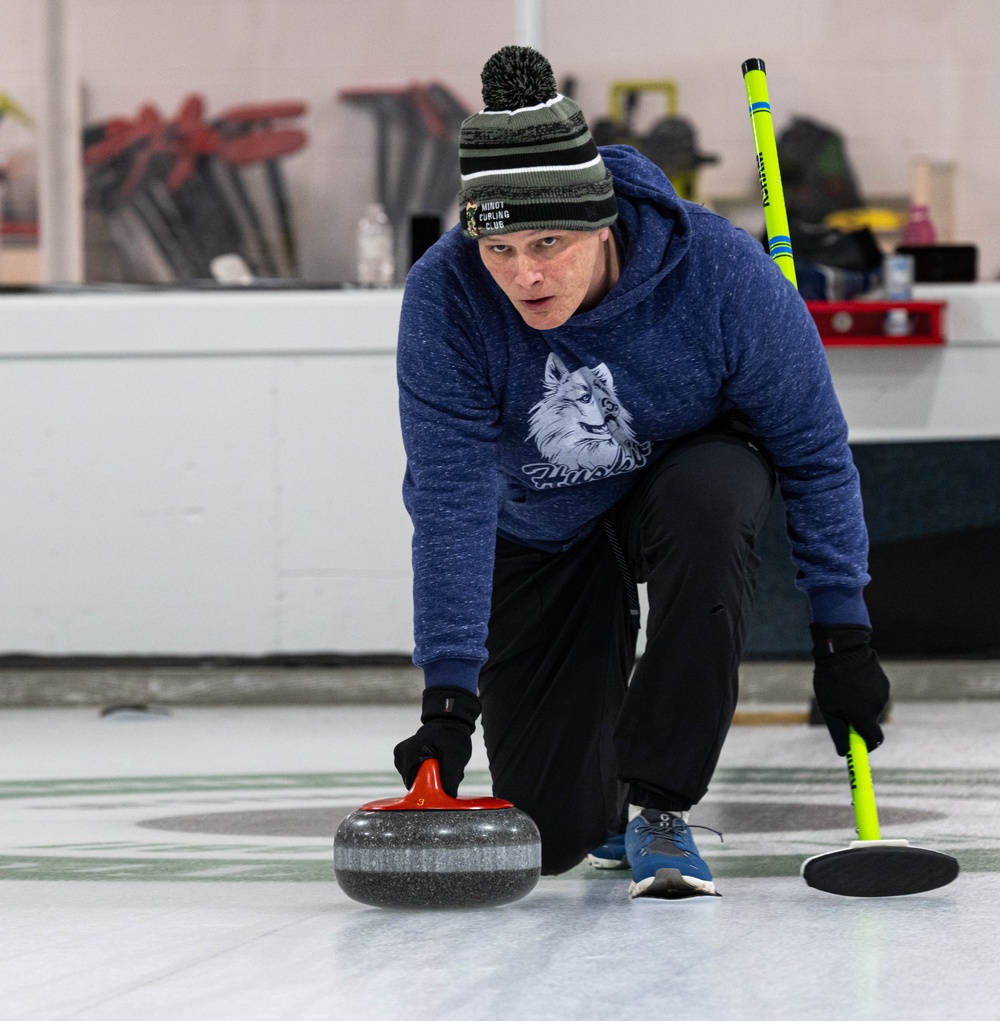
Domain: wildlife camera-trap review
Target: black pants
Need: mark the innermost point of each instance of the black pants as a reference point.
(569, 737)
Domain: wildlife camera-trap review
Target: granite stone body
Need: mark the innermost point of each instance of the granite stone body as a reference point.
(437, 858)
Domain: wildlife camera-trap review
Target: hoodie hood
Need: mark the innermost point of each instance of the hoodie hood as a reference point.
(653, 231)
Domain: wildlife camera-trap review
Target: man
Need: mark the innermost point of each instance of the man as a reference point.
(600, 384)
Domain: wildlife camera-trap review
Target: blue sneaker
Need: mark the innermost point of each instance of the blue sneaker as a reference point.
(665, 862)
(610, 855)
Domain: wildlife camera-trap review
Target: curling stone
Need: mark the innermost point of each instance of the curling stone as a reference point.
(430, 850)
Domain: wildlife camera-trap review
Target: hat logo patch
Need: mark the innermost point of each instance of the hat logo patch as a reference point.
(472, 228)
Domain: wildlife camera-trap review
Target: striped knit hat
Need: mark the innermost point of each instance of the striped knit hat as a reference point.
(527, 160)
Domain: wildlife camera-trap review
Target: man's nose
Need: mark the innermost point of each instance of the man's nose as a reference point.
(526, 271)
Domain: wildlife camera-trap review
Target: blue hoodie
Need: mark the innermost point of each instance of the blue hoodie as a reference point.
(534, 435)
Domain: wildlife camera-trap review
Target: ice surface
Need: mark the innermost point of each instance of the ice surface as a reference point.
(117, 904)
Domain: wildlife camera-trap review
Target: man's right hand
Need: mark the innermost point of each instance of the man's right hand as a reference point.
(850, 684)
(449, 717)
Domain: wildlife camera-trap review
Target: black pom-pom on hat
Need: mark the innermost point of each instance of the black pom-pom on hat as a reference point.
(516, 77)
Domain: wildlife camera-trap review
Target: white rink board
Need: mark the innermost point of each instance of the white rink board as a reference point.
(197, 473)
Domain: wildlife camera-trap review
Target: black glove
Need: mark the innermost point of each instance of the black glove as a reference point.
(850, 684)
(449, 718)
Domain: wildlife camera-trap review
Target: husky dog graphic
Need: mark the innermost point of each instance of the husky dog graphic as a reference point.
(581, 428)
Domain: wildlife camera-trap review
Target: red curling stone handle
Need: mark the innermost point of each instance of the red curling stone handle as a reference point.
(428, 794)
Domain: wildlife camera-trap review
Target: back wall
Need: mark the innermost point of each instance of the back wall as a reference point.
(899, 80)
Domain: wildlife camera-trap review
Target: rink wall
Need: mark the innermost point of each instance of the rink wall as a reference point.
(218, 474)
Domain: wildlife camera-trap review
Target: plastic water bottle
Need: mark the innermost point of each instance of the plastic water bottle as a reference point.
(897, 323)
(376, 250)
(897, 277)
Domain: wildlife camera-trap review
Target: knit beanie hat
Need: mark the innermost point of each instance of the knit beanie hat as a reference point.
(527, 160)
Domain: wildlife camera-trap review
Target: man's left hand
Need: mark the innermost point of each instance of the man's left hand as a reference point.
(851, 687)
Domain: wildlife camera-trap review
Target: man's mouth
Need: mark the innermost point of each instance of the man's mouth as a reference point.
(537, 304)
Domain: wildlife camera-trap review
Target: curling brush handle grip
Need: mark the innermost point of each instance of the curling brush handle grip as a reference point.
(862, 790)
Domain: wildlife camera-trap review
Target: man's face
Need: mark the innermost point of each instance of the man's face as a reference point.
(549, 275)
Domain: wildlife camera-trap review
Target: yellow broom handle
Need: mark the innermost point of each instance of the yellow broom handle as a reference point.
(779, 240)
(862, 791)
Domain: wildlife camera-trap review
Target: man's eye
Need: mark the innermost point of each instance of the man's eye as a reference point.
(548, 242)
(499, 249)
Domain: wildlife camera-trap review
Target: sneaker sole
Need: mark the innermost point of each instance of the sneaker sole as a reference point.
(607, 863)
(670, 884)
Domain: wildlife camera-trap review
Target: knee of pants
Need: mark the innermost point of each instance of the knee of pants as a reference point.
(562, 851)
(699, 533)
(705, 524)
(557, 864)
(567, 833)
(717, 490)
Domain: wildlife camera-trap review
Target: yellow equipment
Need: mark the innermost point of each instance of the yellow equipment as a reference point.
(669, 143)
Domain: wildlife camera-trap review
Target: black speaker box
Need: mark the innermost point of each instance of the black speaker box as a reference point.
(942, 264)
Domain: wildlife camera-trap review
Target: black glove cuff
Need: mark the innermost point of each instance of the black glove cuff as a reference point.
(829, 639)
(443, 702)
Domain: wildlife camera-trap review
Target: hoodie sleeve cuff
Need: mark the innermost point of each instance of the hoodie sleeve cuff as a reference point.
(836, 605)
(455, 673)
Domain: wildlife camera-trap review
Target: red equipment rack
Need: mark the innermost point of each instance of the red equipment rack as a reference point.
(879, 323)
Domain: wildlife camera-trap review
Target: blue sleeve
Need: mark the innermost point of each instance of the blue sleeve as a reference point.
(778, 375)
(450, 421)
